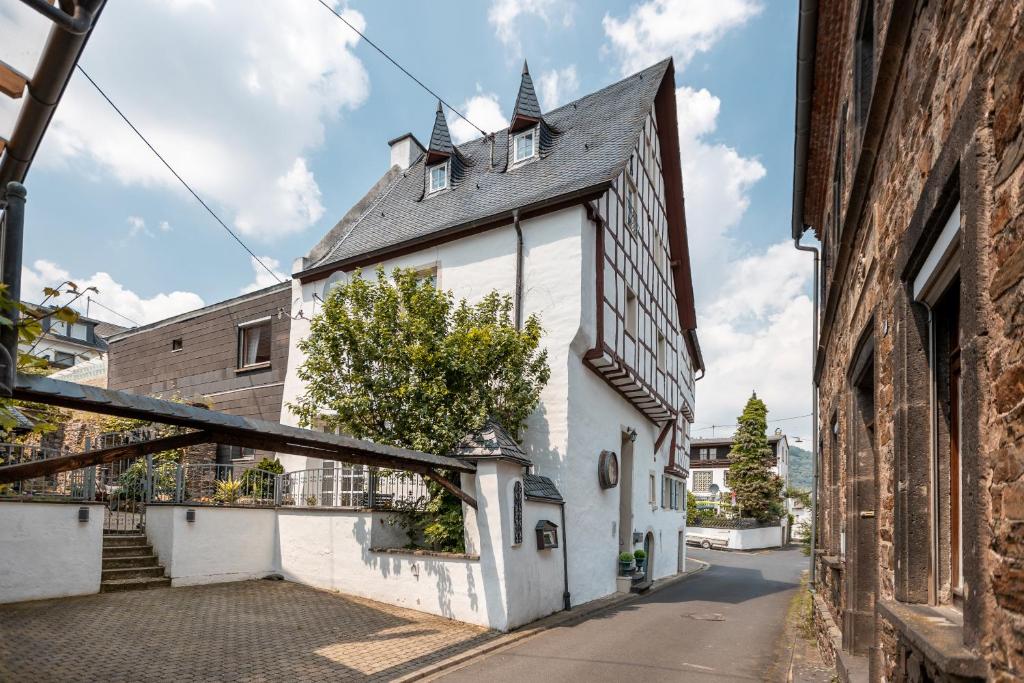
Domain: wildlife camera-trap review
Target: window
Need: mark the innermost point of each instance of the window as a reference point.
(631, 206)
(254, 343)
(427, 273)
(525, 145)
(864, 61)
(79, 331)
(702, 481)
(63, 359)
(662, 353)
(228, 454)
(176, 345)
(59, 327)
(652, 490)
(632, 312)
(438, 177)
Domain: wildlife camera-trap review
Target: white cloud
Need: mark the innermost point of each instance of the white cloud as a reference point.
(137, 226)
(165, 226)
(111, 294)
(482, 109)
(680, 28)
(261, 278)
(234, 95)
(758, 337)
(505, 16)
(558, 86)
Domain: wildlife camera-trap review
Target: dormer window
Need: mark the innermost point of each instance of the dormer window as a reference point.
(438, 177)
(525, 145)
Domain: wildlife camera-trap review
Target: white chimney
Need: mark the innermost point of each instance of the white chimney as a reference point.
(405, 149)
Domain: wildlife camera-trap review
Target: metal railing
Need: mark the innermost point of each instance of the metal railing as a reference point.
(151, 480)
(17, 453)
(355, 487)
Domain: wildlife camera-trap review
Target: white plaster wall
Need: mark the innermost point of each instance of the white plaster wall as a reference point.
(330, 550)
(740, 539)
(223, 544)
(45, 552)
(535, 582)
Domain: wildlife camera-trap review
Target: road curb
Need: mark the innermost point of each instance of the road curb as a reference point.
(575, 615)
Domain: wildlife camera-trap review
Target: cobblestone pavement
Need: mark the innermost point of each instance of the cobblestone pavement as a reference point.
(248, 631)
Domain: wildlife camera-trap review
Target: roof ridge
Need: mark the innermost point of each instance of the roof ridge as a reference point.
(373, 205)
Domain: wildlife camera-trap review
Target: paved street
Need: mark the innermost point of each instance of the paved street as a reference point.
(724, 624)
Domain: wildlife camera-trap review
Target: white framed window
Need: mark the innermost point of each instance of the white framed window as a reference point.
(79, 331)
(59, 327)
(652, 490)
(254, 343)
(428, 273)
(438, 179)
(524, 145)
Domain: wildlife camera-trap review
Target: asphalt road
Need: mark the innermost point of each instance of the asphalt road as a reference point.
(725, 624)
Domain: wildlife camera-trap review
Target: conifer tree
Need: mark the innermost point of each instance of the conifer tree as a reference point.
(758, 490)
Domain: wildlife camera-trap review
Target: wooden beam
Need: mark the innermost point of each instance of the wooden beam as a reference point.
(337, 455)
(12, 81)
(41, 468)
(451, 488)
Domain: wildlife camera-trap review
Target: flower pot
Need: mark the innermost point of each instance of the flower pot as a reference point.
(625, 567)
(641, 564)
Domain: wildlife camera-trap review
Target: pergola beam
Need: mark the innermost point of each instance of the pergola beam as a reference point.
(42, 468)
(451, 488)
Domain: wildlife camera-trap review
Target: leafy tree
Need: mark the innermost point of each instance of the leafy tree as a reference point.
(692, 512)
(397, 361)
(758, 490)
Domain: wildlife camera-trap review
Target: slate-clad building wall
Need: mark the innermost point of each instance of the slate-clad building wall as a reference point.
(148, 360)
(914, 185)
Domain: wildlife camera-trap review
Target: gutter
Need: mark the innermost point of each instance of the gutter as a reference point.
(566, 597)
(63, 49)
(807, 37)
(814, 409)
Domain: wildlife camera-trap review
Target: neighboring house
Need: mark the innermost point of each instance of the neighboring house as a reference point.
(709, 467)
(909, 169)
(230, 356)
(578, 214)
(67, 344)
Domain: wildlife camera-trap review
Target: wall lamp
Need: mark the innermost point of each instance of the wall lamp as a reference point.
(631, 433)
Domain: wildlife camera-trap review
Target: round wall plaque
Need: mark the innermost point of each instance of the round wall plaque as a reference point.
(608, 469)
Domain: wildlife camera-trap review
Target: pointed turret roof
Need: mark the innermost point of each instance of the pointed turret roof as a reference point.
(491, 441)
(440, 146)
(527, 109)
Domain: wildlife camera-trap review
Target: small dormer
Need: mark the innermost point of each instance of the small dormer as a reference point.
(529, 135)
(439, 155)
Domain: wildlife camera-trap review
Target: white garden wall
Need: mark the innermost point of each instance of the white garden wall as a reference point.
(738, 539)
(222, 544)
(45, 552)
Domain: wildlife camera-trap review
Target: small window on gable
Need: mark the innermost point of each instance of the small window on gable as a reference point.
(632, 217)
(254, 343)
(427, 274)
(631, 312)
(525, 145)
(176, 345)
(438, 177)
(662, 353)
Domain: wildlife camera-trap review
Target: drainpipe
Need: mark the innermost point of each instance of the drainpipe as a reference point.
(12, 200)
(933, 471)
(566, 598)
(519, 270)
(814, 408)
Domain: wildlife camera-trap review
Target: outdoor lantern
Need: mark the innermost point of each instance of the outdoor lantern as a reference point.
(547, 534)
(190, 515)
(83, 514)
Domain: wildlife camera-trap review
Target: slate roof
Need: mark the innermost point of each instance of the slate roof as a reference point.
(526, 100)
(536, 487)
(492, 441)
(597, 134)
(440, 139)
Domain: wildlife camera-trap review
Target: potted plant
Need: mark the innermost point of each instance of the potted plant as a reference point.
(625, 562)
(641, 560)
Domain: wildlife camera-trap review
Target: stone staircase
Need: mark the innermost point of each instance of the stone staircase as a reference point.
(130, 565)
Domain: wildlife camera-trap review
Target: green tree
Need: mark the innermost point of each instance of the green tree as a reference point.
(395, 360)
(758, 490)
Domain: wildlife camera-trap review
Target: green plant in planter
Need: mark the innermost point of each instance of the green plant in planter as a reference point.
(228, 491)
(640, 555)
(625, 562)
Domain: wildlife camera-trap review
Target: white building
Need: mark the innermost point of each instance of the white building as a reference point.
(66, 344)
(578, 214)
(709, 467)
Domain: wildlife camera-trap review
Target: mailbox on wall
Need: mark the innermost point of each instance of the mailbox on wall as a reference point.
(547, 534)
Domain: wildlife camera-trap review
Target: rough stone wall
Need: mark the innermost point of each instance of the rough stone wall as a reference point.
(956, 50)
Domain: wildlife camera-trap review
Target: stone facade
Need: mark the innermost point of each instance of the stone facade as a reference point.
(933, 132)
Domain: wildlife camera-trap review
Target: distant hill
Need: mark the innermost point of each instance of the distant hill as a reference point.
(799, 468)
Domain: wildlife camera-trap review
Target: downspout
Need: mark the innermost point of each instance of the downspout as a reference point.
(566, 598)
(933, 473)
(519, 271)
(814, 409)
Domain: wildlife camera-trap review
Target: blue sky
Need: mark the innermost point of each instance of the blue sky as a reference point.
(281, 119)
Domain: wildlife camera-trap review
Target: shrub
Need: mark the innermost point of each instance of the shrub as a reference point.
(640, 555)
(228, 491)
(625, 557)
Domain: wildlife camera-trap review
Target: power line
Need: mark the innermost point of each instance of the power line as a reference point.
(400, 67)
(781, 419)
(90, 300)
(176, 175)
